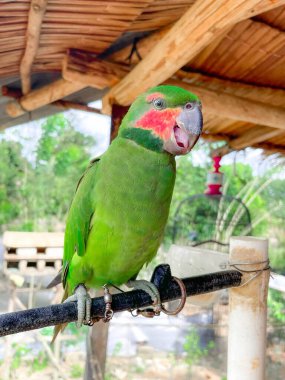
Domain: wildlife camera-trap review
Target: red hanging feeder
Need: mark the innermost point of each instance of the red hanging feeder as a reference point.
(215, 178)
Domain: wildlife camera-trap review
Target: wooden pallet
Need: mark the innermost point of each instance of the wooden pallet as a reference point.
(32, 252)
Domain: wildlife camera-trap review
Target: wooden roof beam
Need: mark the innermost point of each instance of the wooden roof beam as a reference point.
(268, 95)
(83, 67)
(79, 71)
(36, 15)
(197, 28)
(43, 96)
(255, 136)
(225, 149)
(236, 108)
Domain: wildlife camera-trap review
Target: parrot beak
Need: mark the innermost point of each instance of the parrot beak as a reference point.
(186, 131)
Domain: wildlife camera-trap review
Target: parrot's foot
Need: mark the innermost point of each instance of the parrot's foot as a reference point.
(83, 305)
(150, 289)
(157, 306)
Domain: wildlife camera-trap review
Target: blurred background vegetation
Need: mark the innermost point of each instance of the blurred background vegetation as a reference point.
(35, 194)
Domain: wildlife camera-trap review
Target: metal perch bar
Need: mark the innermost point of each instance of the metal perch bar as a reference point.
(20, 321)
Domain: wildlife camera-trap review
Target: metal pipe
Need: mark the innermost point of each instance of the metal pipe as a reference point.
(12, 323)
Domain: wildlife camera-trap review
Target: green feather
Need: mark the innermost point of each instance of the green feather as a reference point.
(144, 138)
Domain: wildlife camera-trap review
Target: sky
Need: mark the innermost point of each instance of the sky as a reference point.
(98, 126)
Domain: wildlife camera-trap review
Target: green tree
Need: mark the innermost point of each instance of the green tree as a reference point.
(13, 175)
(37, 196)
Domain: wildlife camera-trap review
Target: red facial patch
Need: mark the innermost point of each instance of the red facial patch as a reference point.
(150, 98)
(161, 122)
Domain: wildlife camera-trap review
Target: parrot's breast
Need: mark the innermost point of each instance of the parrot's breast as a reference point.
(132, 195)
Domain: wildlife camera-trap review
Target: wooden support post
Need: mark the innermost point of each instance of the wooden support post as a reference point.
(36, 15)
(97, 340)
(248, 309)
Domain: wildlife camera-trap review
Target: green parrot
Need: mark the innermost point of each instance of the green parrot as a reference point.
(117, 217)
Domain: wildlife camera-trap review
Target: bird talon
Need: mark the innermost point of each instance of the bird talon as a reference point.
(83, 300)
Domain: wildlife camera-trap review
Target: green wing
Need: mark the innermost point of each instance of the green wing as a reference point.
(79, 220)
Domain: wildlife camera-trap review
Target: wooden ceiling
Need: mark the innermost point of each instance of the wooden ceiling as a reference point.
(230, 52)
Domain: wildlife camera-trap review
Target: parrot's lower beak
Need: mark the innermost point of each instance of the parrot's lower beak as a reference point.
(186, 131)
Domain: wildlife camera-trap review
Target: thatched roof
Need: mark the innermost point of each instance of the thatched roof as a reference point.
(230, 52)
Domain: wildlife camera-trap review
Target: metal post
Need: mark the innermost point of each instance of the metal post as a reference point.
(248, 309)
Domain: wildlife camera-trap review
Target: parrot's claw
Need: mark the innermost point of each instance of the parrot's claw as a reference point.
(83, 305)
(150, 289)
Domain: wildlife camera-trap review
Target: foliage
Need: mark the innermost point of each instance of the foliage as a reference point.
(20, 351)
(117, 349)
(276, 304)
(40, 362)
(36, 195)
(76, 371)
(203, 218)
(194, 351)
(13, 176)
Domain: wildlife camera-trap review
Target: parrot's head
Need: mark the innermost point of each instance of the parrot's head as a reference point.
(167, 115)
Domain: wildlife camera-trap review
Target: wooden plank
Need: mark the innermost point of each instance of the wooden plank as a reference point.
(236, 108)
(43, 96)
(196, 29)
(13, 239)
(36, 15)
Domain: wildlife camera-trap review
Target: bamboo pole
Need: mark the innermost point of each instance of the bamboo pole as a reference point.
(248, 309)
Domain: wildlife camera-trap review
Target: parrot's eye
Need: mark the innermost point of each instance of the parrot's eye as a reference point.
(159, 103)
(189, 106)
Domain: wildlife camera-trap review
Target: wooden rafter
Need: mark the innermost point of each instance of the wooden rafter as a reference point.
(268, 95)
(79, 71)
(81, 67)
(225, 149)
(43, 96)
(143, 46)
(64, 104)
(256, 135)
(196, 29)
(36, 15)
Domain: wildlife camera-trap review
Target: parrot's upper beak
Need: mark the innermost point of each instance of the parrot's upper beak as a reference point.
(186, 131)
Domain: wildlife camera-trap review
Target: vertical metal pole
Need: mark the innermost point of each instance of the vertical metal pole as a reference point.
(248, 310)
